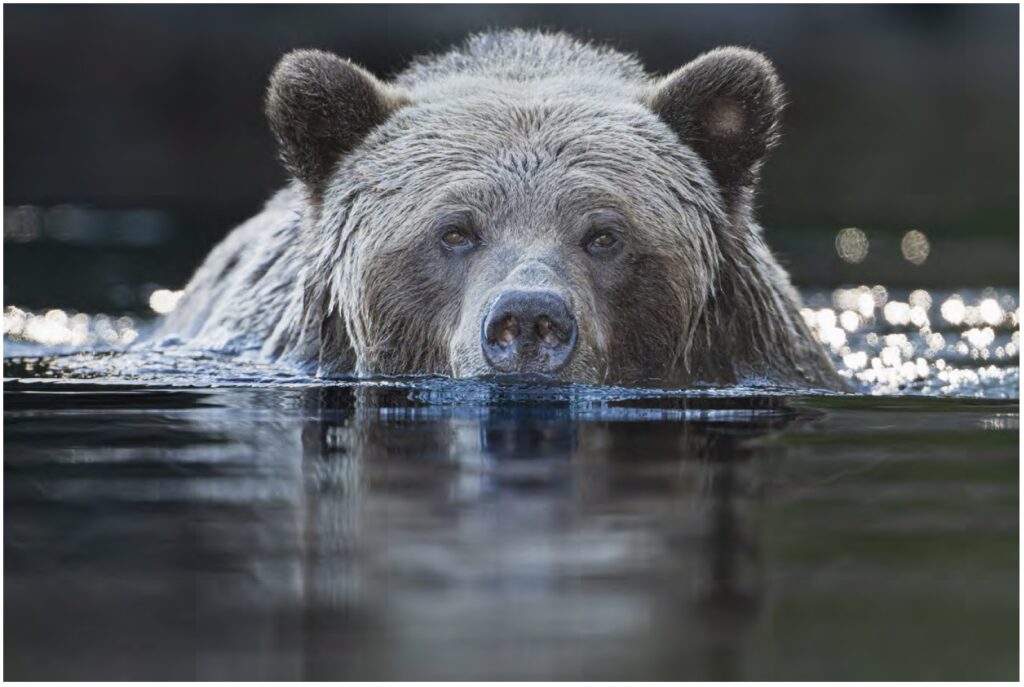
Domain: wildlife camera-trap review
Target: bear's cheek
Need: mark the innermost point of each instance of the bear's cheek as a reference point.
(646, 321)
(411, 304)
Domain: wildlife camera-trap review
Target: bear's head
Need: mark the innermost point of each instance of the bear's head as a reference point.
(563, 226)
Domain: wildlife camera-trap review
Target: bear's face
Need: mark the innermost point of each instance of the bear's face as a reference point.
(574, 238)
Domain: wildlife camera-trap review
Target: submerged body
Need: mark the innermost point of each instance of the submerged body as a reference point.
(523, 204)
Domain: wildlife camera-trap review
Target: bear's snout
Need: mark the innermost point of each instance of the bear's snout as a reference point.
(528, 331)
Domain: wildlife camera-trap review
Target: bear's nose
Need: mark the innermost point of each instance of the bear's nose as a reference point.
(528, 331)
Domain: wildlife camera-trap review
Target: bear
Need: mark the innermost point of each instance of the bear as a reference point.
(525, 205)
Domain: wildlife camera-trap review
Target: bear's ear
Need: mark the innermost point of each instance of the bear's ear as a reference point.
(320, 107)
(726, 105)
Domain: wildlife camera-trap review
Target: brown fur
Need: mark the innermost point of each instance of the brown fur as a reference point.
(529, 144)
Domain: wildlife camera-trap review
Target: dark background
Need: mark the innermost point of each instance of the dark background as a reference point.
(901, 117)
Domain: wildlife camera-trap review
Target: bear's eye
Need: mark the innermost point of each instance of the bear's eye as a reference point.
(455, 231)
(606, 234)
(602, 242)
(456, 238)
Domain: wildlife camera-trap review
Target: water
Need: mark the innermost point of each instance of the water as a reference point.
(180, 515)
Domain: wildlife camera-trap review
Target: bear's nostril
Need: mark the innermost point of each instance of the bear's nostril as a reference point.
(509, 331)
(546, 331)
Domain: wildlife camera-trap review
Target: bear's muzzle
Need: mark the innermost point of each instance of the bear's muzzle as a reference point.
(528, 331)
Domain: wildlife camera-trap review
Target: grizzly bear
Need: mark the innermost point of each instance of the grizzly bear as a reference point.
(526, 204)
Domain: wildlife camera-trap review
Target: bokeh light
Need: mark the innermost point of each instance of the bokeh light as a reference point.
(888, 341)
(852, 245)
(58, 328)
(915, 247)
(920, 298)
(990, 311)
(163, 301)
(953, 310)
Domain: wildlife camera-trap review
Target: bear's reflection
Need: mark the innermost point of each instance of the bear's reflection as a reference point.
(531, 540)
(384, 533)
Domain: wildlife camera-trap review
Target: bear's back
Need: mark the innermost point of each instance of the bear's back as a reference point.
(518, 58)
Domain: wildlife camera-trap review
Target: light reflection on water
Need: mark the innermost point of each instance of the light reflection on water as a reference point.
(964, 343)
(937, 343)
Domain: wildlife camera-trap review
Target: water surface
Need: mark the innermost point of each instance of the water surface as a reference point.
(181, 515)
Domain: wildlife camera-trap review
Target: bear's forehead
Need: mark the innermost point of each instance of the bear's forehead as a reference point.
(527, 162)
(495, 123)
(526, 137)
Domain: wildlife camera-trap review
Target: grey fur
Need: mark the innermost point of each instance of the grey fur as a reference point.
(530, 142)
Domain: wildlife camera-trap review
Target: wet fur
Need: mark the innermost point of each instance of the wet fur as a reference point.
(525, 134)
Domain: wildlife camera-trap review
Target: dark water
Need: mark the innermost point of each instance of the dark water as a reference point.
(428, 529)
